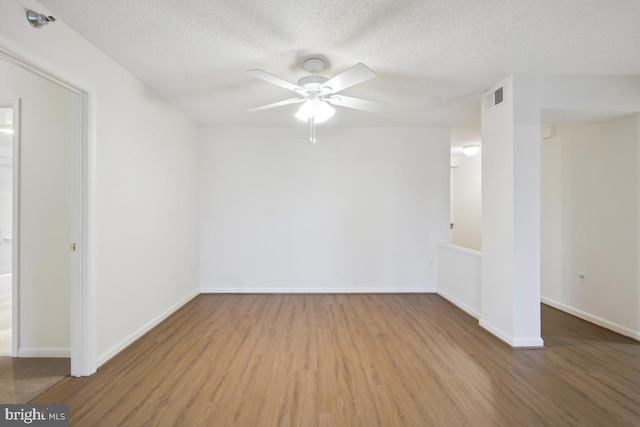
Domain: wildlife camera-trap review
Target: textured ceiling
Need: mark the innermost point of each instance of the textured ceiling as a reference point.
(433, 57)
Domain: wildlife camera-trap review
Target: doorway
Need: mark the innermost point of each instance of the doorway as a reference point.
(590, 205)
(63, 217)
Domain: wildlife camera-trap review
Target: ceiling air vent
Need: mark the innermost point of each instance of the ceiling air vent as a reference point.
(495, 98)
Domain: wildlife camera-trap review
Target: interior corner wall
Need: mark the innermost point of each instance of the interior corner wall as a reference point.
(511, 191)
(596, 93)
(362, 210)
(145, 182)
(591, 222)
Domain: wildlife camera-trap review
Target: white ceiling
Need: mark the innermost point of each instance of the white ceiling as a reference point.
(433, 57)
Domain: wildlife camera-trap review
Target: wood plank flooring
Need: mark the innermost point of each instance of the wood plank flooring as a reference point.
(355, 360)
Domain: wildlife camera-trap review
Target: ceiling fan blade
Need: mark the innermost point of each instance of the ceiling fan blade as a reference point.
(356, 103)
(357, 74)
(261, 74)
(279, 104)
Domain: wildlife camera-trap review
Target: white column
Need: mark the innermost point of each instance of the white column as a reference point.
(510, 294)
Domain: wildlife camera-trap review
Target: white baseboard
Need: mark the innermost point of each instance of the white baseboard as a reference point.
(455, 301)
(622, 330)
(515, 342)
(316, 290)
(104, 357)
(64, 352)
(495, 331)
(527, 342)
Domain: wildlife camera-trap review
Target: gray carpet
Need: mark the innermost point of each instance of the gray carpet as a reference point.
(22, 379)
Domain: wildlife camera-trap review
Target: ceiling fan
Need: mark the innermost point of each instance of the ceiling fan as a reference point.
(318, 94)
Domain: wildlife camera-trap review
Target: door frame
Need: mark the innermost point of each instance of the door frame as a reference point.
(83, 360)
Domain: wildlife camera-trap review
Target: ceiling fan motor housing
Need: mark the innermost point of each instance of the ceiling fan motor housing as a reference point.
(314, 65)
(312, 83)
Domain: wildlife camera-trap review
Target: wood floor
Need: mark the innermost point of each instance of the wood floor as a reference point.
(355, 360)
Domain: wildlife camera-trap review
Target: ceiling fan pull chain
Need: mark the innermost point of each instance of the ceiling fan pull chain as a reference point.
(312, 130)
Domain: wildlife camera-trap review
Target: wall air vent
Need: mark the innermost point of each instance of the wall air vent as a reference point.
(495, 98)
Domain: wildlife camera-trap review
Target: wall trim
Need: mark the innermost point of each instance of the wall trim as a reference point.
(114, 350)
(528, 342)
(455, 301)
(514, 342)
(612, 326)
(461, 249)
(62, 352)
(496, 331)
(318, 290)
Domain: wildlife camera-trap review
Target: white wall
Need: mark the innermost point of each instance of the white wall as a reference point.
(459, 277)
(466, 202)
(361, 210)
(145, 189)
(591, 222)
(45, 211)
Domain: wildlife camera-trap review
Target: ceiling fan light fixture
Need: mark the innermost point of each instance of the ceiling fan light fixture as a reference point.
(306, 110)
(324, 112)
(320, 110)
